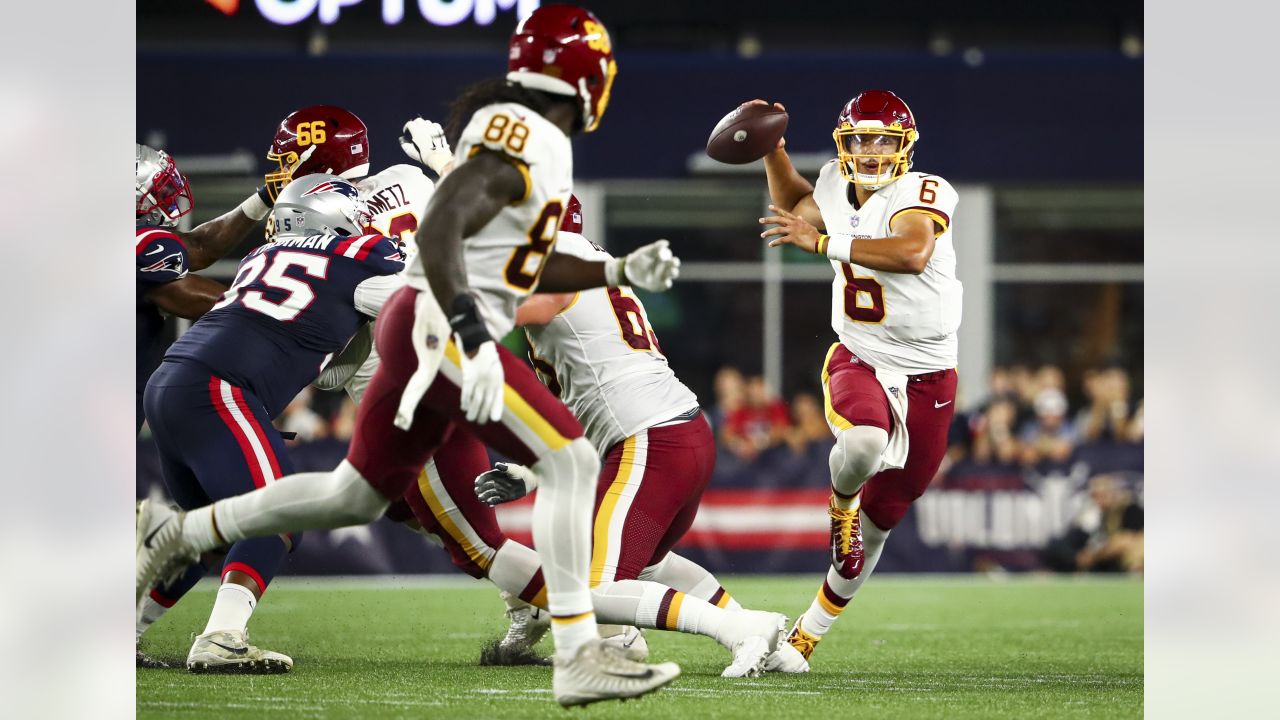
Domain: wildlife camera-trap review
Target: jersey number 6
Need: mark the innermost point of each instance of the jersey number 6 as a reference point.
(863, 297)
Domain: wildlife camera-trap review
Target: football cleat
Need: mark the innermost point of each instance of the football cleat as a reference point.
(803, 642)
(160, 550)
(751, 635)
(146, 661)
(599, 672)
(528, 624)
(788, 658)
(226, 651)
(846, 541)
(627, 639)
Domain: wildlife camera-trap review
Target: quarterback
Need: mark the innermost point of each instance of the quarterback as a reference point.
(889, 383)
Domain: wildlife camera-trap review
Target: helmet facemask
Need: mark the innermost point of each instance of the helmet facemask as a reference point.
(164, 197)
(871, 155)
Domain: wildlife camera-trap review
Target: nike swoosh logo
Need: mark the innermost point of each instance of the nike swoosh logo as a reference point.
(936, 404)
(648, 673)
(237, 651)
(153, 252)
(147, 540)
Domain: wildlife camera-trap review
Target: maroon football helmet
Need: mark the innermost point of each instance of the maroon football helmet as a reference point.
(318, 139)
(565, 50)
(572, 221)
(875, 137)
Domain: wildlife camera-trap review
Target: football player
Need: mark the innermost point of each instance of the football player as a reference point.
(596, 351)
(164, 256)
(295, 302)
(487, 240)
(890, 380)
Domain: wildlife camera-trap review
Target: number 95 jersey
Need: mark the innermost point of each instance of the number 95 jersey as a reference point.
(505, 258)
(894, 321)
(600, 357)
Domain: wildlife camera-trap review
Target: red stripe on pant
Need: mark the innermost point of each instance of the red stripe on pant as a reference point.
(247, 570)
(161, 600)
(238, 395)
(250, 458)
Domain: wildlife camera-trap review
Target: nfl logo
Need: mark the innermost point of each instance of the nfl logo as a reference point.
(853, 221)
(893, 391)
(433, 342)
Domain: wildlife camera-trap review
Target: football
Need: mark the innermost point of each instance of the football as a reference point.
(747, 134)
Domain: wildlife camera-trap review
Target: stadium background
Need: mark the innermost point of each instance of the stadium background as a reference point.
(1025, 109)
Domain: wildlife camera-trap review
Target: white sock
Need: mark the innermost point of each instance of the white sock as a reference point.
(818, 619)
(303, 501)
(655, 606)
(231, 609)
(513, 566)
(151, 612)
(689, 577)
(562, 533)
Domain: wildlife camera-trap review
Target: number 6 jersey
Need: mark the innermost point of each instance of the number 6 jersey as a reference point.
(894, 321)
(505, 258)
(294, 303)
(600, 357)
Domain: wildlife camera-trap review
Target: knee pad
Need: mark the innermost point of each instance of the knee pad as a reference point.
(576, 461)
(857, 452)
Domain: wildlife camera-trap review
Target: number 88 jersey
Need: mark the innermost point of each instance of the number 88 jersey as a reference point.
(894, 321)
(505, 258)
(601, 358)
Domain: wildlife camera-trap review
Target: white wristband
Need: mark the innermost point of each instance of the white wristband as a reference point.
(438, 160)
(837, 247)
(254, 208)
(613, 272)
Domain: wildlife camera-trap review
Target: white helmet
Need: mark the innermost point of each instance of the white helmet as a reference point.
(319, 204)
(162, 194)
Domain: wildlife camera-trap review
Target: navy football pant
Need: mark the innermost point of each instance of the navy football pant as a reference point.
(216, 441)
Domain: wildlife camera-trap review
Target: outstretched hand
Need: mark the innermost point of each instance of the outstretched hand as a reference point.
(791, 230)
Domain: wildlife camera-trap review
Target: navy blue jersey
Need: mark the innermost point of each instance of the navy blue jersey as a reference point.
(294, 303)
(161, 258)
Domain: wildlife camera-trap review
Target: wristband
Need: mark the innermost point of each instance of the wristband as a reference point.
(257, 205)
(836, 247)
(615, 272)
(464, 318)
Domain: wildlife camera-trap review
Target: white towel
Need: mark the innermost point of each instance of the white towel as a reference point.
(895, 388)
(430, 335)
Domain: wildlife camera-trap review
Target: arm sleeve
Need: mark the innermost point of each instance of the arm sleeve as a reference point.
(373, 293)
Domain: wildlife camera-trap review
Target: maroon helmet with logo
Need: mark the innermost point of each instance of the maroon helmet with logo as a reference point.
(572, 221)
(318, 139)
(565, 50)
(875, 136)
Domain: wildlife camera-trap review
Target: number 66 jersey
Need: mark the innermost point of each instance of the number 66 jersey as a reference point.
(295, 302)
(894, 321)
(504, 259)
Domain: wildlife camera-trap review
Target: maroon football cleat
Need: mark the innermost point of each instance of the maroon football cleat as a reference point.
(846, 541)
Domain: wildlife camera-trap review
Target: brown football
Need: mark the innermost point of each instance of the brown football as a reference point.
(747, 134)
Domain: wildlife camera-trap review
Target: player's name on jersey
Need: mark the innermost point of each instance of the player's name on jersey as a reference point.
(311, 242)
(386, 199)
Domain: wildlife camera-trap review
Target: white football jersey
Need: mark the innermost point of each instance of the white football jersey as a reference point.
(894, 321)
(505, 258)
(601, 358)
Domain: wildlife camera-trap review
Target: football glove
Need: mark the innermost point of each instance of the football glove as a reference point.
(482, 383)
(343, 366)
(424, 141)
(652, 267)
(504, 483)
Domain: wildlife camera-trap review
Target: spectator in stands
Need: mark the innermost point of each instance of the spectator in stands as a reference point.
(1137, 429)
(1106, 537)
(730, 392)
(1107, 416)
(994, 438)
(760, 423)
(1050, 437)
(808, 424)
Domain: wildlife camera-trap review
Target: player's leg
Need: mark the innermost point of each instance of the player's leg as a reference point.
(687, 576)
(883, 502)
(538, 431)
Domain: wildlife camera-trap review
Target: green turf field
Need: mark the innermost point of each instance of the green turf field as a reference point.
(922, 647)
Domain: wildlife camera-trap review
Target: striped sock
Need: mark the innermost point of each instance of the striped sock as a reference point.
(826, 607)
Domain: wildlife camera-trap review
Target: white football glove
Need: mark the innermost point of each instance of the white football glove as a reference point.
(424, 141)
(504, 483)
(482, 383)
(652, 267)
(343, 366)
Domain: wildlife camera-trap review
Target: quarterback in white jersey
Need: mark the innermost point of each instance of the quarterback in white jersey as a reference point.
(889, 383)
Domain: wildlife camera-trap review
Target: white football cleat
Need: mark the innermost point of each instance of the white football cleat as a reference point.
(598, 672)
(160, 550)
(225, 651)
(786, 659)
(628, 639)
(751, 636)
(528, 625)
